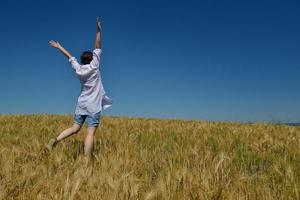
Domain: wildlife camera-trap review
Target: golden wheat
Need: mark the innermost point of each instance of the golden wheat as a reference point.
(137, 158)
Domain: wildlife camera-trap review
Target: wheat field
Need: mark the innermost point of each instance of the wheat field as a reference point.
(136, 158)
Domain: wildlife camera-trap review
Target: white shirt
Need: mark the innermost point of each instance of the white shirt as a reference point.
(92, 97)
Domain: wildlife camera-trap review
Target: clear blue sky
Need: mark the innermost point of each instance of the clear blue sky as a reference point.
(211, 60)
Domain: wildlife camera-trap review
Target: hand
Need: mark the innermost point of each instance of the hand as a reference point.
(98, 24)
(54, 44)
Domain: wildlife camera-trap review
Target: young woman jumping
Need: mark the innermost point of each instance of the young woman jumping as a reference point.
(92, 99)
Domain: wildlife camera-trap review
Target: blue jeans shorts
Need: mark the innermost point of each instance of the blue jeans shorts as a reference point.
(91, 120)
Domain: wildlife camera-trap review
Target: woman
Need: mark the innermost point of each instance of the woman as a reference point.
(92, 98)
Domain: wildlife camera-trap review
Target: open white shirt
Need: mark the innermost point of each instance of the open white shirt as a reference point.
(92, 98)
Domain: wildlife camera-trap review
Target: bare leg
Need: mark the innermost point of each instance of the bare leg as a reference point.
(88, 143)
(68, 132)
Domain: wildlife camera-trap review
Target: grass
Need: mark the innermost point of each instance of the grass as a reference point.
(149, 159)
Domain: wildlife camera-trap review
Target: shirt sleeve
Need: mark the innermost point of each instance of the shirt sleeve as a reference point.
(75, 65)
(96, 58)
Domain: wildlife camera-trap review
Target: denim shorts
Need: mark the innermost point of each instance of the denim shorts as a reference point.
(91, 120)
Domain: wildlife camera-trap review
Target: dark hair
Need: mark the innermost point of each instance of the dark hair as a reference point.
(86, 57)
